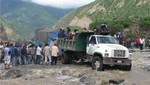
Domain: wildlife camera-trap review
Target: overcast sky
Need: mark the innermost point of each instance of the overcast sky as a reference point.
(65, 4)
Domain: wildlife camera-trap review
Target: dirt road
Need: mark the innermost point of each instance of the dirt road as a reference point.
(72, 74)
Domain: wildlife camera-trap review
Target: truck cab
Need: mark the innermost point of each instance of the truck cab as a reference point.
(105, 50)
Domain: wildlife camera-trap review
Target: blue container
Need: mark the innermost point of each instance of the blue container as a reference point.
(52, 36)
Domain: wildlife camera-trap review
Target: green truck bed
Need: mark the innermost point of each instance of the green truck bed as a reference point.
(76, 44)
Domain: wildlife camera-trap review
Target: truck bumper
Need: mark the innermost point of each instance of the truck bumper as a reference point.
(116, 61)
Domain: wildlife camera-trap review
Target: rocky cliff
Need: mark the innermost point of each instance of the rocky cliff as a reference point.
(3, 36)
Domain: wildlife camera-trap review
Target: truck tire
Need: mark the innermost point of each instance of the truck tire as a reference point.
(128, 68)
(97, 64)
(64, 58)
(70, 59)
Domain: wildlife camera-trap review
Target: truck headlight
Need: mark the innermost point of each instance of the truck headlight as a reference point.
(106, 55)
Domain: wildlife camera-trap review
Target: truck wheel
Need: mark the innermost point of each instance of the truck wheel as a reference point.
(128, 68)
(70, 60)
(97, 64)
(64, 58)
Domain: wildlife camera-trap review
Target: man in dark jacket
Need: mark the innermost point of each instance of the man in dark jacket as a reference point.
(23, 55)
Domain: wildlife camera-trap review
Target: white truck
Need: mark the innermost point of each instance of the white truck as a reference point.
(99, 50)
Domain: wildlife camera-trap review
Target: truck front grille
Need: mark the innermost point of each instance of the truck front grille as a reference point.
(119, 53)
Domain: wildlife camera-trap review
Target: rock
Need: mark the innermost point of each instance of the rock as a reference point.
(78, 74)
(105, 82)
(42, 76)
(65, 72)
(116, 81)
(2, 67)
(60, 66)
(133, 84)
(12, 73)
(26, 79)
(87, 80)
(147, 68)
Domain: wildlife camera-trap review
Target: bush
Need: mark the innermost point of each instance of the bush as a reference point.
(113, 25)
(144, 21)
(75, 27)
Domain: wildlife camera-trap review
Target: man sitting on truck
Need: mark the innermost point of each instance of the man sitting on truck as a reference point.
(69, 33)
(101, 28)
(61, 33)
(104, 26)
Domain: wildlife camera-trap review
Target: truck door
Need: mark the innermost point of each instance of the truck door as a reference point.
(91, 45)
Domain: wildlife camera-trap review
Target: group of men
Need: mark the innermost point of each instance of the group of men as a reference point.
(23, 54)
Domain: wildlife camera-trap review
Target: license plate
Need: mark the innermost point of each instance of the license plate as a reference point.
(119, 61)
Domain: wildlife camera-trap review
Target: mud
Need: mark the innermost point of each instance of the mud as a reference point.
(72, 74)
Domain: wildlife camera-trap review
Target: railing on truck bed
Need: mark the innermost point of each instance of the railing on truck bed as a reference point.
(77, 44)
(66, 44)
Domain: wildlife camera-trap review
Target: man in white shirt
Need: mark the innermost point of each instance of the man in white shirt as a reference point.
(38, 54)
(142, 42)
(7, 57)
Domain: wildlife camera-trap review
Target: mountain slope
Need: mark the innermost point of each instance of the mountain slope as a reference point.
(116, 13)
(8, 32)
(24, 17)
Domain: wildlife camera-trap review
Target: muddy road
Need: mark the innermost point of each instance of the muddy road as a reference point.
(77, 74)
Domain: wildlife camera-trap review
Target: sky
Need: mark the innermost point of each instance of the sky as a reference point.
(65, 4)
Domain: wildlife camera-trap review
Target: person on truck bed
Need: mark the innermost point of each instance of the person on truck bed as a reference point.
(61, 33)
(69, 33)
(101, 28)
(104, 26)
(83, 29)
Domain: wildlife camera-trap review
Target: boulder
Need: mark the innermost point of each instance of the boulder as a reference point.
(147, 67)
(66, 72)
(86, 79)
(12, 73)
(105, 82)
(78, 74)
(116, 81)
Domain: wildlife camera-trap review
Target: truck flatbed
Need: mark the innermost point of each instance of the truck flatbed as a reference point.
(76, 44)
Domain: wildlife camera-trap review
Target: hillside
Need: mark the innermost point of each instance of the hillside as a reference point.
(7, 32)
(118, 14)
(24, 17)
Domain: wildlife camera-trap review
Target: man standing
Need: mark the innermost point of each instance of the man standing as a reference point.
(142, 42)
(54, 54)
(24, 55)
(38, 54)
(137, 42)
(1, 51)
(46, 52)
(7, 57)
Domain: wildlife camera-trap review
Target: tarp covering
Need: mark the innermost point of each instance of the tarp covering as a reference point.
(52, 36)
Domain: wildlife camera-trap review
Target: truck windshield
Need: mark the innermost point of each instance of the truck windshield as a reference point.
(108, 40)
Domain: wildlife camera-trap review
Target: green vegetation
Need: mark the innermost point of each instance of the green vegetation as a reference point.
(25, 17)
(144, 21)
(4, 23)
(28, 18)
(12, 35)
(118, 14)
(75, 27)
